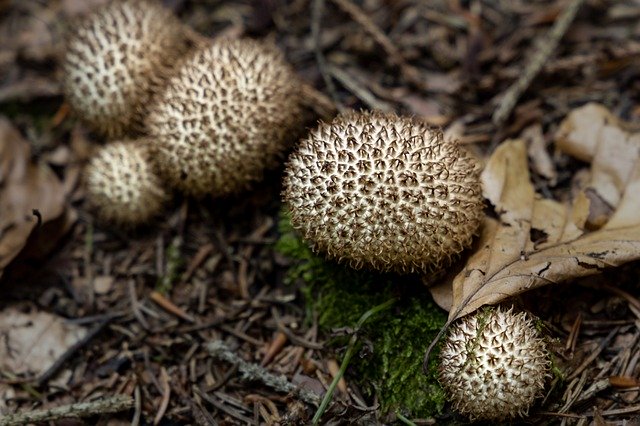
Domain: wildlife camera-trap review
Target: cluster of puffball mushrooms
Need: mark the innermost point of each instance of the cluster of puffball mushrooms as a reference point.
(370, 189)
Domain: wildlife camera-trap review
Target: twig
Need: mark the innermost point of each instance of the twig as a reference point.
(410, 73)
(223, 407)
(316, 17)
(113, 404)
(166, 394)
(250, 371)
(603, 344)
(135, 305)
(169, 306)
(547, 45)
(137, 413)
(351, 349)
(359, 90)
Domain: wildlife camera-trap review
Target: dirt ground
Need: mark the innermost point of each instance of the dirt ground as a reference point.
(132, 312)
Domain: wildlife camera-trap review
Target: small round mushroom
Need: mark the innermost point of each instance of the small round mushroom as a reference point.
(230, 112)
(121, 184)
(383, 191)
(116, 59)
(494, 364)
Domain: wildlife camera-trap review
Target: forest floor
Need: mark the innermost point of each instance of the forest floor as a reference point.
(96, 311)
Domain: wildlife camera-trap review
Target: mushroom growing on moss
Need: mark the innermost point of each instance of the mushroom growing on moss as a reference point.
(121, 185)
(116, 59)
(383, 191)
(228, 114)
(494, 364)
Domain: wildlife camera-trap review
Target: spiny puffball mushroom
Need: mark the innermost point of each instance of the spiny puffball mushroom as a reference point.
(229, 113)
(383, 191)
(121, 184)
(493, 364)
(116, 59)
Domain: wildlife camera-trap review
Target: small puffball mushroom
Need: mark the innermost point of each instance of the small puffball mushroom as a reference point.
(116, 59)
(228, 114)
(493, 365)
(121, 185)
(383, 191)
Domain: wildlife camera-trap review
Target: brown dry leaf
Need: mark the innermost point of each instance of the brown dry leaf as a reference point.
(539, 241)
(592, 133)
(33, 341)
(26, 189)
(540, 159)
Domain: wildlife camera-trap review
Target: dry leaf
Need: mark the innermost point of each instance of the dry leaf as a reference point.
(26, 191)
(592, 133)
(579, 133)
(540, 159)
(539, 241)
(32, 342)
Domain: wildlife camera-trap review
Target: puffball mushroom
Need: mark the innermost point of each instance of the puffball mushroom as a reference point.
(228, 114)
(121, 184)
(383, 191)
(494, 364)
(116, 59)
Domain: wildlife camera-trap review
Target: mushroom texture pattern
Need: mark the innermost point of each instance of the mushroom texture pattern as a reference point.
(116, 59)
(121, 184)
(493, 364)
(383, 191)
(226, 116)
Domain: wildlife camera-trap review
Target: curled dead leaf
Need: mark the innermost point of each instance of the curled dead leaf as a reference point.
(31, 197)
(538, 241)
(592, 133)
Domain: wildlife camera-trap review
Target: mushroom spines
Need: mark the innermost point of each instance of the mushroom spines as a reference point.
(228, 114)
(122, 186)
(385, 191)
(116, 58)
(493, 364)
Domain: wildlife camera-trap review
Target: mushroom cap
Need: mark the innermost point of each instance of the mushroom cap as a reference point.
(493, 364)
(121, 184)
(383, 191)
(116, 59)
(229, 113)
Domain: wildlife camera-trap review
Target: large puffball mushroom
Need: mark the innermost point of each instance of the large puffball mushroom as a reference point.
(116, 59)
(383, 191)
(230, 112)
(493, 364)
(121, 184)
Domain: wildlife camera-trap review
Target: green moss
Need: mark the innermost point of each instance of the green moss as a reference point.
(392, 343)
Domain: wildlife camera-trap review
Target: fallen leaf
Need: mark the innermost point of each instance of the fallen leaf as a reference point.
(33, 341)
(537, 150)
(592, 133)
(31, 195)
(540, 241)
(579, 133)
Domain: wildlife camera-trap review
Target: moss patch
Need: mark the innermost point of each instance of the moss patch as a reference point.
(392, 343)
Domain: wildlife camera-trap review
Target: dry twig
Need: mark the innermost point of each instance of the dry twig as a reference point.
(221, 351)
(546, 47)
(409, 72)
(114, 404)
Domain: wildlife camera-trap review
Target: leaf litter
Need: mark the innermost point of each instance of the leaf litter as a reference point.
(480, 48)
